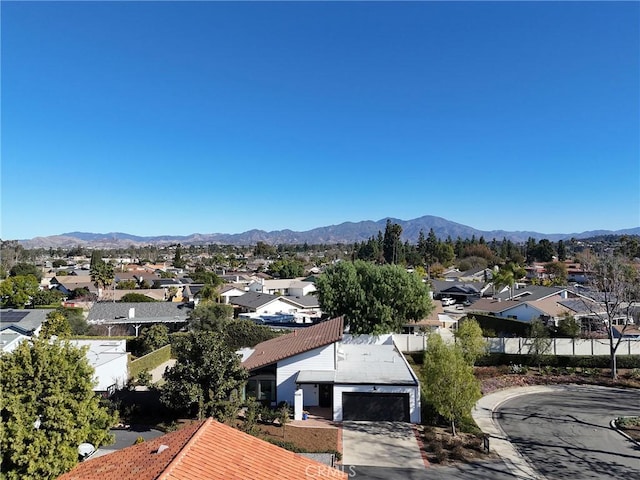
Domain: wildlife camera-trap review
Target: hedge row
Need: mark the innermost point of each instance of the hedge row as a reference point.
(149, 361)
(575, 361)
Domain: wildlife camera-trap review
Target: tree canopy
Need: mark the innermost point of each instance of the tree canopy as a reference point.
(101, 272)
(18, 291)
(470, 340)
(136, 297)
(206, 378)
(21, 269)
(210, 316)
(55, 324)
(374, 299)
(48, 408)
(448, 381)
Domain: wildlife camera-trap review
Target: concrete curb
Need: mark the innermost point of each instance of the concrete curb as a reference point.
(614, 425)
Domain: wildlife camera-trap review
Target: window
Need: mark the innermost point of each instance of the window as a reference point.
(263, 390)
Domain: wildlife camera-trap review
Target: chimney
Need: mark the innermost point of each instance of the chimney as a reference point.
(132, 312)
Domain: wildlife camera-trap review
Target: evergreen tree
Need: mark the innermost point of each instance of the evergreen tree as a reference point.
(206, 378)
(391, 243)
(55, 324)
(48, 408)
(374, 299)
(178, 261)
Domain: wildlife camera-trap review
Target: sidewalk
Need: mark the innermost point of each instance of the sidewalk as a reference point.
(156, 373)
(498, 440)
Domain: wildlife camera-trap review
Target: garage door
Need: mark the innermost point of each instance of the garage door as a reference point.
(386, 407)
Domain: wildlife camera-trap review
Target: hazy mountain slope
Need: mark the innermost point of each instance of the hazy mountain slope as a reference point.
(347, 232)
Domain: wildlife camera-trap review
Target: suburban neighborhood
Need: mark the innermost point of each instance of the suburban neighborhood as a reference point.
(308, 378)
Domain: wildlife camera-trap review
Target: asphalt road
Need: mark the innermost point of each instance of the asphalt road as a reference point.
(567, 434)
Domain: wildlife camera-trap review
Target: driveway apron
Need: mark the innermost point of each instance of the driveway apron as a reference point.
(380, 444)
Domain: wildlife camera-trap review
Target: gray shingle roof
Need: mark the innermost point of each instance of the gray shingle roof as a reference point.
(253, 300)
(23, 321)
(110, 312)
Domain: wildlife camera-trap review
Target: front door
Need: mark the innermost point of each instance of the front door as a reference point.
(326, 395)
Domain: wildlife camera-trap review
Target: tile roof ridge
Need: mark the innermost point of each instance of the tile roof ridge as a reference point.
(166, 473)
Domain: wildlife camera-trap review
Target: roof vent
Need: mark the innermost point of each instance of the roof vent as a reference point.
(162, 448)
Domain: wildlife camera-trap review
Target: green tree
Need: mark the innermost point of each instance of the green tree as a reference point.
(373, 299)
(264, 250)
(209, 293)
(568, 326)
(238, 334)
(48, 408)
(101, 273)
(202, 275)
(126, 285)
(76, 320)
(562, 251)
(470, 340)
(287, 268)
(448, 381)
(136, 297)
(209, 316)
(55, 324)
(557, 272)
(18, 291)
(206, 378)
(22, 269)
(47, 297)
(391, 244)
(153, 338)
(178, 261)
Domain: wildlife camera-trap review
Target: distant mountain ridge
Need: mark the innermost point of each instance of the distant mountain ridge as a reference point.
(347, 232)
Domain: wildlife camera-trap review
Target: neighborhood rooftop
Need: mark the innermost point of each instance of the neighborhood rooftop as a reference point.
(206, 449)
(112, 312)
(302, 340)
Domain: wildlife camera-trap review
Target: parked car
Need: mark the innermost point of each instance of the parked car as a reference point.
(446, 301)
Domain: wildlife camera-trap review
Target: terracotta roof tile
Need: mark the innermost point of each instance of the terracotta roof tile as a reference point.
(205, 450)
(138, 462)
(299, 341)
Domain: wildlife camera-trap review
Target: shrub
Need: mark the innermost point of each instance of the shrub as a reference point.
(518, 369)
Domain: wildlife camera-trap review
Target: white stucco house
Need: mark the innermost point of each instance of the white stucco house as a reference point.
(356, 377)
(110, 360)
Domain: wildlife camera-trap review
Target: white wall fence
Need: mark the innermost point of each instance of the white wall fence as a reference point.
(557, 346)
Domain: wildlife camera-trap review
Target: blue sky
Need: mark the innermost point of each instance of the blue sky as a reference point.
(173, 118)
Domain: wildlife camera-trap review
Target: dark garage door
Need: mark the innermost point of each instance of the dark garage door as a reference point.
(386, 407)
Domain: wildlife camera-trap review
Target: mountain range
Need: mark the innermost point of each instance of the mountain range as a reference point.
(347, 232)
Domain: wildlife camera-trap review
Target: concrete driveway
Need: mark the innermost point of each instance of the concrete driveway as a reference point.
(381, 444)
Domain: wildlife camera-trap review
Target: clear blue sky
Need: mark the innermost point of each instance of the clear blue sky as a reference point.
(173, 118)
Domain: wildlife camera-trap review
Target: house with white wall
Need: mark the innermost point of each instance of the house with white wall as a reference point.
(288, 286)
(356, 377)
(110, 360)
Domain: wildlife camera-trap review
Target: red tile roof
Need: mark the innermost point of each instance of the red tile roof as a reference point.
(299, 341)
(204, 450)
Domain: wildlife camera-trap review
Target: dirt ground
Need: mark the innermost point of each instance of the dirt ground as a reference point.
(442, 448)
(309, 439)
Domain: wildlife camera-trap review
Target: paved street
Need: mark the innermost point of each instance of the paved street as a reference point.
(566, 433)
